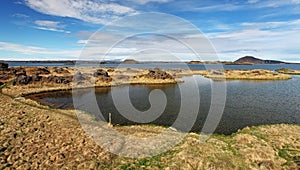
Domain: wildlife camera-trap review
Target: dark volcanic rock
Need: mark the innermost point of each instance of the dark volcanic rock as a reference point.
(61, 70)
(4, 77)
(60, 79)
(159, 74)
(22, 80)
(3, 66)
(102, 75)
(19, 71)
(105, 79)
(42, 71)
(37, 78)
(101, 72)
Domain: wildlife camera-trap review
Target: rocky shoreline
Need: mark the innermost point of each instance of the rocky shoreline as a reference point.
(23, 80)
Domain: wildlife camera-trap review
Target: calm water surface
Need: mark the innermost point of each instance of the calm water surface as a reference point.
(248, 103)
(167, 65)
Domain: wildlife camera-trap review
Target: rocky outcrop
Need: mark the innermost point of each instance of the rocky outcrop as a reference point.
(101, 72)
(22, 80)
(102, 75)
(159, 74)
(3, 66)
(42, 71)
(60, 79)
(60, 70)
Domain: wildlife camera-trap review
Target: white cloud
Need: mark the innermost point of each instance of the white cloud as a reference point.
(142, 2)
(212, 6)
(208, 7)
(52, 29)
(86, 10)
(19, 15)
(277, 3)
(269, 40)
(34, 50)
(50, 26)
(47, 23)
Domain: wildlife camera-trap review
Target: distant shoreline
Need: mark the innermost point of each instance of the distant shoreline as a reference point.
(247, 60)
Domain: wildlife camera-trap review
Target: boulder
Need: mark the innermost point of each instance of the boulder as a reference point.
(42, 70)
(22, 80)
(60, 79)
(37, 77)
(4, 77)
(159, 74)
(101, 72)
(60, 70)
(3, 66)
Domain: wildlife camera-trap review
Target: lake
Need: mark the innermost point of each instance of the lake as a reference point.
(163, 65)
(248, 103)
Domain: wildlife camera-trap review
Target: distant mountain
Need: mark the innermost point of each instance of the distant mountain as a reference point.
(253, 60)
(130, 61)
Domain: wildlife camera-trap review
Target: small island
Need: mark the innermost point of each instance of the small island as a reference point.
(256, 74)
(288, 71)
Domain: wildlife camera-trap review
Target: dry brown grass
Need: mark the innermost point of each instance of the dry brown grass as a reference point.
(288, 71)
(244, 75)
(35, 136)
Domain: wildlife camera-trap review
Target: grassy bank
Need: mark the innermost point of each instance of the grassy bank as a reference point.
(35, 136)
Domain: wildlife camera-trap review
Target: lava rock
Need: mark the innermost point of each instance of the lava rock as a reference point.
(21, 73)
(101, 72)
(3, 66)
(60, 79)
(37, 78)
(159, 74)
(4, 77)
(61, 71)
(42, 71)
(22, 80)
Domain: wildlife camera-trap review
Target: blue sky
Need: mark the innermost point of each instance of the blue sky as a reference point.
(60, 29)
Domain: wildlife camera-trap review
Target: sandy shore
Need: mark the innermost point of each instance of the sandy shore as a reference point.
(35, 136)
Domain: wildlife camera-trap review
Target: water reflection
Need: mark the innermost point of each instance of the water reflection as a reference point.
(248, 103)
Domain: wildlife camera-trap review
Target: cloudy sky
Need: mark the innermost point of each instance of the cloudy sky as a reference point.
(62, 29)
